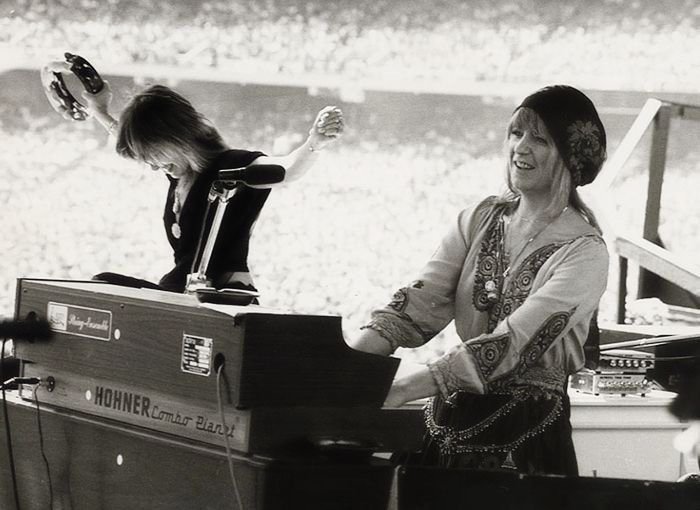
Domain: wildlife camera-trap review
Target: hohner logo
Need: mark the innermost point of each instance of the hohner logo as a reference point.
(141, 405)
(123, 401)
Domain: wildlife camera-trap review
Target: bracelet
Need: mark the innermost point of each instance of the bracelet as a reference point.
(313, 149)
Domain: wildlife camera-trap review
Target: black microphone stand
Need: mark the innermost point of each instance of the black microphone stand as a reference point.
(221, 192)
(198, 283)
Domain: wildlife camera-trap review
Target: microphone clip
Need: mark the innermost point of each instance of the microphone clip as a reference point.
(222, 190)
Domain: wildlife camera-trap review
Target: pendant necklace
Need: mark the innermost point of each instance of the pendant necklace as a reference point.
(177, 207)
(491, 287)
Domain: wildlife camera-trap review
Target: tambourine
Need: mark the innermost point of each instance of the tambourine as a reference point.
(55, 87)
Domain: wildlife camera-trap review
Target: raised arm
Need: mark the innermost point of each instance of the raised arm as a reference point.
(327, 127)
(98, 107)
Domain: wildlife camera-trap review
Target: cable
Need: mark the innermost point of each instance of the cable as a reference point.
(14, 382)
(10, 455)
(41, 444)
(219, 372)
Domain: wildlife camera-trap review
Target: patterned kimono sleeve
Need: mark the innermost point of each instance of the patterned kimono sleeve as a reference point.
(420, 311)
(568, 297)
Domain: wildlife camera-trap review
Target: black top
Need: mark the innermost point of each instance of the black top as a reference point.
(230, 252)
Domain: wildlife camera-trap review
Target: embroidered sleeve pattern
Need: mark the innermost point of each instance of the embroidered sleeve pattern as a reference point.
(398, 329)
(457, 370)
(548, 332)
(396, 326)
(400, 298)
(445, 378)
(488, 353)
(543, 338)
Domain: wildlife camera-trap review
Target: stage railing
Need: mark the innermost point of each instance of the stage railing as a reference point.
(647, 250)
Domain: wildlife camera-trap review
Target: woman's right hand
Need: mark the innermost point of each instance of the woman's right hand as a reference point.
(328, 126)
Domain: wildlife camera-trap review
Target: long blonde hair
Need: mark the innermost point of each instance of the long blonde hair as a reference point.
(562, 190)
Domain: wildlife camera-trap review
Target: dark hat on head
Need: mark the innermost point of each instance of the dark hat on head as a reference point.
(574, 124)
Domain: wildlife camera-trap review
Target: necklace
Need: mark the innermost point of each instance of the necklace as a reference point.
(491, 287)
(529, 220)
(179, 196)
(177, 206)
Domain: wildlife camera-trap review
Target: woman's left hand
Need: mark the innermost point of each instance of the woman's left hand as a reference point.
(419, 384)
(327, 127)
(47, 80)
(98, 104)
(396, 397)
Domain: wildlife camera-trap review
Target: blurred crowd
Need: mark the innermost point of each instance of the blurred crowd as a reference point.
(373, 209)
(615, 44)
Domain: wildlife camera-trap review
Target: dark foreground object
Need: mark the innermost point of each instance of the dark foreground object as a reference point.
(423, 488)
(97, 463)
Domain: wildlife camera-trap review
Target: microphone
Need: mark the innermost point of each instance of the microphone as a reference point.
(254, 175)
(30, 330)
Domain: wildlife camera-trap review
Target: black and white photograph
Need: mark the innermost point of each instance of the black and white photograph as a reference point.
(349, 254)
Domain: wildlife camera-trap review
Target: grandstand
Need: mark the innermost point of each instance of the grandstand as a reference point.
(427, 46)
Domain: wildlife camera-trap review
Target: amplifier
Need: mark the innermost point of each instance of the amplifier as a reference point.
(590, 381)
(619, 372)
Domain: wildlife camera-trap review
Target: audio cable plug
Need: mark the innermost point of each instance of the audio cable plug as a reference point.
(14, 382)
